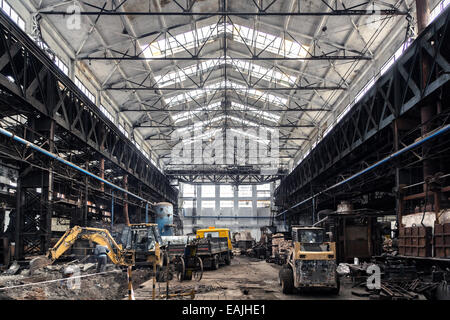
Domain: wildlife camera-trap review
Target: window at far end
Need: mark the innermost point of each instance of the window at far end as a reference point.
(208, 204)
(226, 191)
(245, 191)
(208, 191)
(188, 190)
(245, 204)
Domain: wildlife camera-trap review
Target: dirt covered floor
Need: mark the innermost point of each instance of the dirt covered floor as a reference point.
(47, 283)
(246, 278)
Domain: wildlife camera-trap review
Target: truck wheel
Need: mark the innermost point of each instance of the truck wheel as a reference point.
(227, 259)
(287, 281)
(215, 262)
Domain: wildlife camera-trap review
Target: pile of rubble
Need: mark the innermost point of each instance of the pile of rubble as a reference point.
(247, 246)
(274, 248)
(280, 248)
(70, 281)
(243, 242)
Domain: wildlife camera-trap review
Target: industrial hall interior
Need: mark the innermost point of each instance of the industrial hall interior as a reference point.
(224, 150)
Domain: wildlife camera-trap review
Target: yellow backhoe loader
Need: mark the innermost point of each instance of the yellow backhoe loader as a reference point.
(100, 236)
(140, 245)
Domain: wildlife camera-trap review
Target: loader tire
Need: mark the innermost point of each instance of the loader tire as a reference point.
(228, 259)
(287, 281)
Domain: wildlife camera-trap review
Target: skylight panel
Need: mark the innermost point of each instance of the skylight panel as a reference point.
(244, 122)
(188, 96)
(264, 41)
(200, 124)
(204, 136)
(255, 70)
(211, 133)
(253, 93)
(249, 123)
(250, 136)
(179, 76)
(266, 115)
(172, 45)
(271, 43)
(179, 117)
(258, 71)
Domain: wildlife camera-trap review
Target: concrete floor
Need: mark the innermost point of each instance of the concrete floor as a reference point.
(246, 278)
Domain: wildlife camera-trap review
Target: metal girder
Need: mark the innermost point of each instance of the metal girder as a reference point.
(170, 139)
(44, 88)
(387, 12)
(250, 54)
(233, 176)
(168, 126)
(395, 93)
(294, 87)
(206, 111)
(125, 57)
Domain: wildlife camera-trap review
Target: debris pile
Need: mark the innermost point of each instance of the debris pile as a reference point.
(260, 250)
(280, 248)
(243, 241)
(397, 280)
(70, 281)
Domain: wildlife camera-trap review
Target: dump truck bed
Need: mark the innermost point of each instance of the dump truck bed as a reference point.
(212, 246)
(176, 249)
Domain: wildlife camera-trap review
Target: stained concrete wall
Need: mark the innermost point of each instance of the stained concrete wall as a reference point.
(236, 218)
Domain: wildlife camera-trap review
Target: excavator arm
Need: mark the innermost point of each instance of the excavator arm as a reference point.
(99, 236)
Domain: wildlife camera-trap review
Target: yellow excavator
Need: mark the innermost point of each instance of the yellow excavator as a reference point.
(140, 245)
(100, 236)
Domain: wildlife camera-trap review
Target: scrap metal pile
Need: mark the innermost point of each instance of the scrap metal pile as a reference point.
(243, 241)
(274, 248)
(280, 249)
(399, 280)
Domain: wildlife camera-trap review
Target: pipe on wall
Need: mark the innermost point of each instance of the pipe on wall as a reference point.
(68, 163)
(375, 165)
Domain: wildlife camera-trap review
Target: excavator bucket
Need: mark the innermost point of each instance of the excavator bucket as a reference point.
(39, 262)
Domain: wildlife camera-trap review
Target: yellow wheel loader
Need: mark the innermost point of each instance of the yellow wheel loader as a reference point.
(311, 262)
